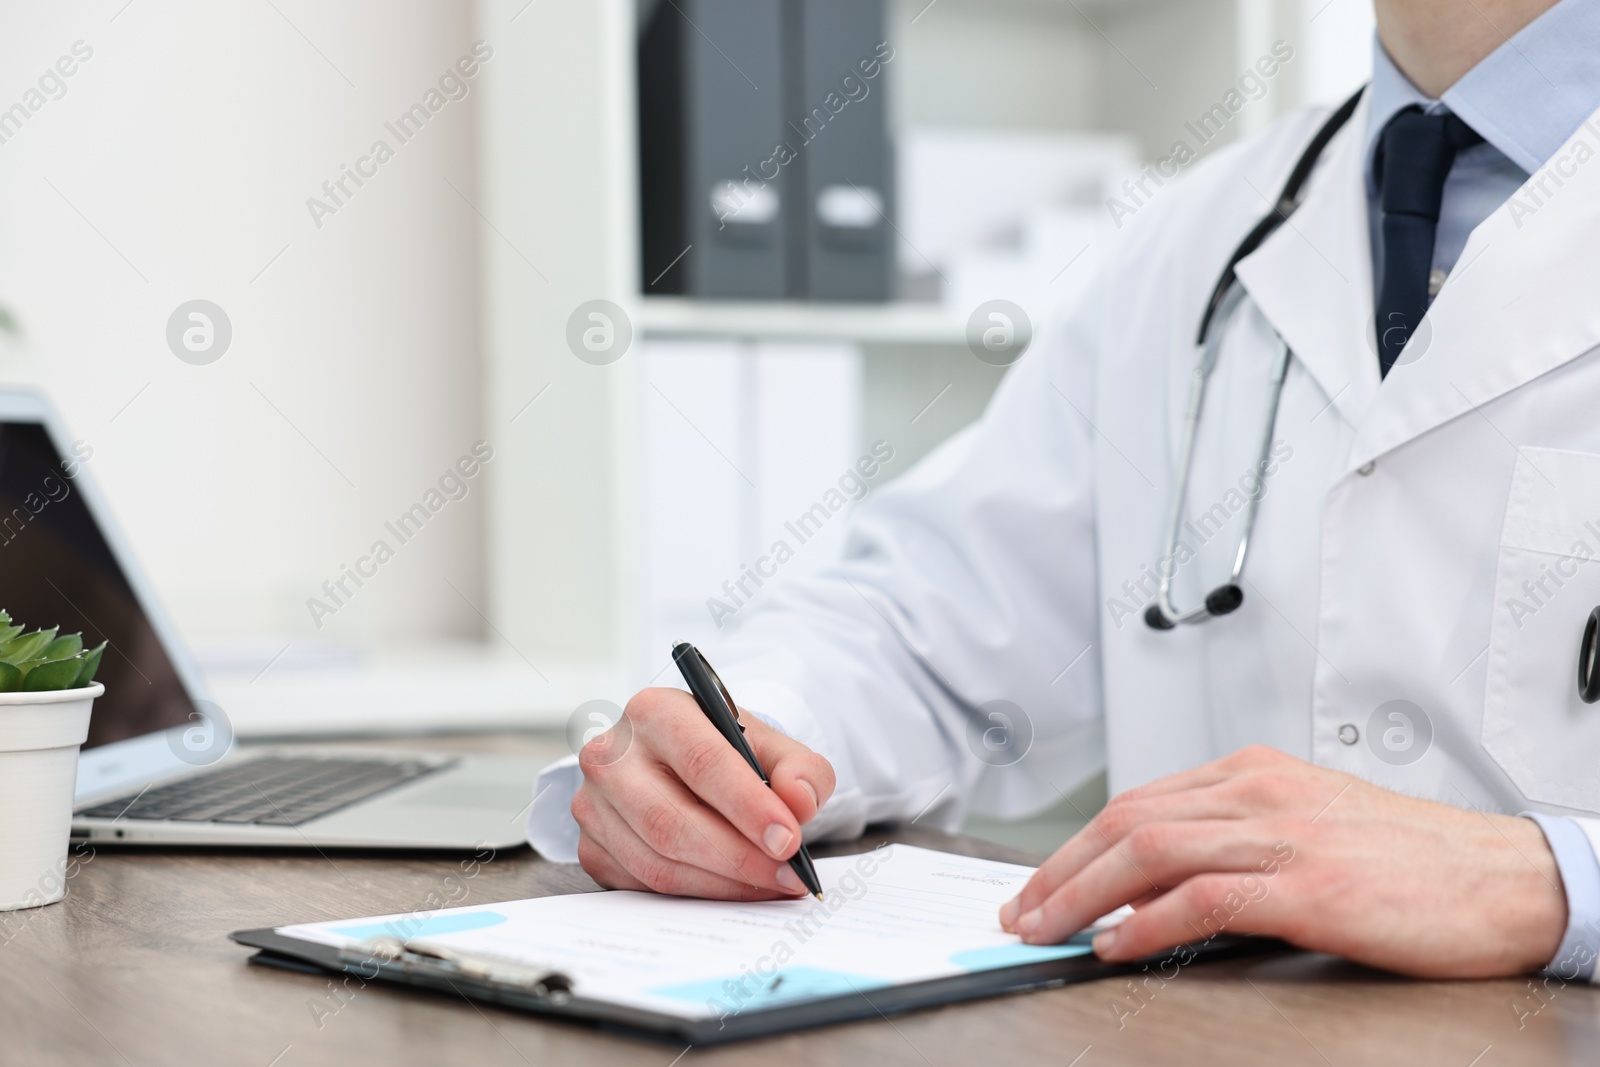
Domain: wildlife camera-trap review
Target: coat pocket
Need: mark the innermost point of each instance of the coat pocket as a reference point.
(1547, 581)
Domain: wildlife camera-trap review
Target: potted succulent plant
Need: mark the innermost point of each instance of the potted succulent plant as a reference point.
(47, 688)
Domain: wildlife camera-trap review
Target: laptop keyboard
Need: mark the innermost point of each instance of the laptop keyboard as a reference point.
(271, 791)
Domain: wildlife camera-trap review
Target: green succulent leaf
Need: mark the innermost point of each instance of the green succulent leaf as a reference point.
(48, 677)
(45, 660)
(88, 663)
(63, 647)
(27, 647)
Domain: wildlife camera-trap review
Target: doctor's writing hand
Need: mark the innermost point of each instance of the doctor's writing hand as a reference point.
(681, 812)
(1263, 843)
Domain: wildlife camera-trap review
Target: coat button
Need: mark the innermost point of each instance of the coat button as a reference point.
(1366, 469)
(1349, 734)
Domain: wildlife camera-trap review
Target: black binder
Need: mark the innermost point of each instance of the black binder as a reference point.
(837, 120)
(550, 994)
(710, 107)
(764, 152)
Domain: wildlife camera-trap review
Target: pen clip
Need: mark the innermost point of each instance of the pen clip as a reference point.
(429, 958)
(680, 648)
(727, 697)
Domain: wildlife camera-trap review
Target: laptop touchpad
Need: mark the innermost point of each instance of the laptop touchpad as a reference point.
(468, 795)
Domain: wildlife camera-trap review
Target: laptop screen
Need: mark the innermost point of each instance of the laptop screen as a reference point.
(56, 569)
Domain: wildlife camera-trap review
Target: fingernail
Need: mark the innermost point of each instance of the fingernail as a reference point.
(813, 793)
(1028, 925)
(777, 839)
(1105, 942)
(1008, 915)
(789, 880)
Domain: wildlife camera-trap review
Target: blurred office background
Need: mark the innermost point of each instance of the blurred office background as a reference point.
(430, 306)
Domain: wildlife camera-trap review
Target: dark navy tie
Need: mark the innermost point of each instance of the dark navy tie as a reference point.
(1414, 158)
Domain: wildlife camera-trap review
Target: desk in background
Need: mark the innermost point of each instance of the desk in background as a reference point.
(135, 967)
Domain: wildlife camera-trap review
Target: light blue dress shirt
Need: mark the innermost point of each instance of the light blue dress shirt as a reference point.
(1526, 98)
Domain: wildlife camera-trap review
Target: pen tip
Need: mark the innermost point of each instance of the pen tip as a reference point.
(817, 894)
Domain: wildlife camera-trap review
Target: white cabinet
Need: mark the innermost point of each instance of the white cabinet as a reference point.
(747, 457)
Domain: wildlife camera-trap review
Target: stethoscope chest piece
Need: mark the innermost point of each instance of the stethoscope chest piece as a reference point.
(1588, 655)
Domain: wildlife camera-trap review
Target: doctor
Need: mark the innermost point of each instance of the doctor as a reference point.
(1386, 701)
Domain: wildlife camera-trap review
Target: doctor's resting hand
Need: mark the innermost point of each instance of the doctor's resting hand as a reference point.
(1262, 843)
(1256, 843)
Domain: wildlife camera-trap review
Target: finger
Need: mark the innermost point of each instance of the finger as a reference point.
(1243, 761)
(682, 738)
(603, 867)
(656, 872)
(1197, 910)
(803, 779)
(667, 817)
(1252, 759)
(1125, 814)
(1155, 857)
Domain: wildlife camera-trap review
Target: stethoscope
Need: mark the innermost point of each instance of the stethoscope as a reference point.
(1226, 296)
(1588, 655)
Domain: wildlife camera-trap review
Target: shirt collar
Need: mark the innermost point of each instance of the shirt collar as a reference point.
(1526, 97)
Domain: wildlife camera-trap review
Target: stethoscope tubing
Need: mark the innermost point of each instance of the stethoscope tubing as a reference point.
(1225, 298)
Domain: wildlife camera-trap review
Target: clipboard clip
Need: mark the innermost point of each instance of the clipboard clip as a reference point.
(418, 957)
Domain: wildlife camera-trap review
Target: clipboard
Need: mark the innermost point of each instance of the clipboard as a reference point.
(549, 994)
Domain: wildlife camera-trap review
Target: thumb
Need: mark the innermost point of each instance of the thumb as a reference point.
(802, 779)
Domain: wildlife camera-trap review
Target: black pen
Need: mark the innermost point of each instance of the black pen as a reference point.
(714, 700)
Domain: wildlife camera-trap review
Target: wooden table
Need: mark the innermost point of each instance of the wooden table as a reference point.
(135, 967)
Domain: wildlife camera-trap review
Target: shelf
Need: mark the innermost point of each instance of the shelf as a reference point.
(875, 324)
(437, 688)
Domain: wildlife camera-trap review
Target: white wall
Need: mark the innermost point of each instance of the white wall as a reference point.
(1161, 65)
(1332, 40)
(1338, 44)
(177, 166)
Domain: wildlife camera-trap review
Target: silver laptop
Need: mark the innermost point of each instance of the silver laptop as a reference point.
(160, 766)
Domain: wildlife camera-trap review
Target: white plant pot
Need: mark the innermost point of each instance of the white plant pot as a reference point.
(40, 734)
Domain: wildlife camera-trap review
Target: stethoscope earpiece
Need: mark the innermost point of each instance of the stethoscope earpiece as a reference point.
(1224, 599)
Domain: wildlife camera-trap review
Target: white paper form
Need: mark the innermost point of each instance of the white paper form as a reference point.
(895, 915)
